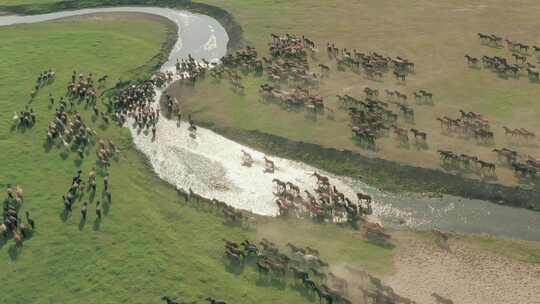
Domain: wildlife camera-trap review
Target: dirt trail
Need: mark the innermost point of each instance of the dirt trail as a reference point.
(463, 274)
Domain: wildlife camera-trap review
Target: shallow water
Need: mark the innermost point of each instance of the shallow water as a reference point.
(210, 164)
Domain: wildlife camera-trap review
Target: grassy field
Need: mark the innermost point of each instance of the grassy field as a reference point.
(434, 35)
(150, 242)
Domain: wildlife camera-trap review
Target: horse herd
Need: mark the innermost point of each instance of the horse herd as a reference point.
(27, 117)
(503, 66)
(12, 225)
(305, 267)
(326, 204)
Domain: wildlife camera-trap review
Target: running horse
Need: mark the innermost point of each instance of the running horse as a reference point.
(269, 165)
(247, 160)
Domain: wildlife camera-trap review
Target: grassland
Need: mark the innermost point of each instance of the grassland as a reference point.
(150, 242)
(434, 35)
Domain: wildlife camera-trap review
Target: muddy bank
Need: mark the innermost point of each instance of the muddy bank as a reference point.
(233, 29)
(389, 175)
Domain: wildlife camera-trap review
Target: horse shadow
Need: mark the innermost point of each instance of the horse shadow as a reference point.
(64, 215)
(304, 292)
(404, 145)
(424, 103)
(378, 80)
(489, 177)
(3, 240)
(269, 281)
(487, 143)
(13, 252)
(64, 155)
(448, 166)
(97, 224)
(311, 116)
(421, 145)
(493, 46)
(47, 147)
(232, 224)
(278, 283)
(29, 234)
(502, 76)
(82, 223)
(106, 208)
(215, 80)
(233, 268)
(528, 181)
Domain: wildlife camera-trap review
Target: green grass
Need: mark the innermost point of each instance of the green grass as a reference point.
(150, 242)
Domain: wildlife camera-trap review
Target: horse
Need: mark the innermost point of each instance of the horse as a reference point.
(471, 61)
(400, 76)
(418, 134)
